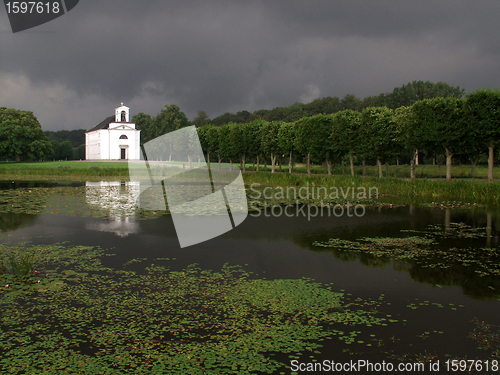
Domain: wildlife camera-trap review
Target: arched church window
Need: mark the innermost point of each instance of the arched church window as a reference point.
(124, 117)
(123, 136)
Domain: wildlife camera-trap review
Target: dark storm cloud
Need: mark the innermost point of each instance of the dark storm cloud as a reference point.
(232, 55)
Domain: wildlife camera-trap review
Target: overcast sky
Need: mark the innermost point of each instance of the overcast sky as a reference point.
(227, 56)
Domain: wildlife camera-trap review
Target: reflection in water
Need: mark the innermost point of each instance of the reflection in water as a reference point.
(12, 221)
(120, 199)
(121, 226)
(458, 255)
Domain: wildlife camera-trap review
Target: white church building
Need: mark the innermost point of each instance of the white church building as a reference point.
(114, 138)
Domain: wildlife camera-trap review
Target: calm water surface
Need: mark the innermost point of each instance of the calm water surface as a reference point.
(282, 247)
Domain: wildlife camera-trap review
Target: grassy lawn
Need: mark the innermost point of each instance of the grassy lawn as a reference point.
(398, 171)
(474, 191)
(77, 168)
(63, 168)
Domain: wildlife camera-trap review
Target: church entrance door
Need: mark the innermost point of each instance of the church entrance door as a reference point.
(122, 153)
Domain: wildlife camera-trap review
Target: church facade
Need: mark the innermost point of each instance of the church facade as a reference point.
(114, 138)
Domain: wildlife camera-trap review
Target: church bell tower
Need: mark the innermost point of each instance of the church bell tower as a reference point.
(122, 114)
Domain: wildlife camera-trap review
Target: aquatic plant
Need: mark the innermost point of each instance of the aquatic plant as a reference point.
(3, 269)
(23, 266)
(425, 249)
(487, 337)
(192, 321)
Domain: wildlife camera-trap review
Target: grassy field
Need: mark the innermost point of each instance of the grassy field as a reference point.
(64, 169)
(394, 185)
(397, 171)
(84, 169)
(469, 191)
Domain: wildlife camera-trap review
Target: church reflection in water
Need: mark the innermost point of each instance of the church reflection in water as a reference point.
(119, 200)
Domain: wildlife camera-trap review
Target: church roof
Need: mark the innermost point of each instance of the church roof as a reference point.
(103, 124)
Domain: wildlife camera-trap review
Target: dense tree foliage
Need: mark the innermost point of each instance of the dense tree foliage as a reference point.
(270, 141)
(409, 128)
(238, 143)
(379, 134)
(439, 126)
(482, 115)
(76, 137)
(418, 90)
(312, 138)
(345, 135)
(253, 139)
(169, 119)
(65, 151)
(453, 126)
(21, 136)
(201, 120)
(287, 141)
(143, 123)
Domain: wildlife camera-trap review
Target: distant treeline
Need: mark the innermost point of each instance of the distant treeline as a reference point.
(67, 144)
(405, 95)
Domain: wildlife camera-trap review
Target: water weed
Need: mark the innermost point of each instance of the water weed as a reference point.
(190, 321)
(23, 266)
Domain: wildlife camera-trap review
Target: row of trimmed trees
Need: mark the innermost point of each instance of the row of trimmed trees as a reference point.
(452, 126)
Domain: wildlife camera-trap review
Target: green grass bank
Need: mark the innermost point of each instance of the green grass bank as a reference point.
(473, 191)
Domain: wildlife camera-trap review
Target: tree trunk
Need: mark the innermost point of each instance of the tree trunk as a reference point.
(473, 163)
(280, 162)
(309, 164)
(449, 155)
(329, 167)
(219, 161)
(243, 159)
(351, 157)
(490, 161)
(380, 175)
(258, 162)
(208, 160)
(273, 163)
(412, 165)
(290, 163)
(416, 159)
(363, 164)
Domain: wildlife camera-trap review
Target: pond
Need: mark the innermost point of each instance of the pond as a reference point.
(114, 292)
